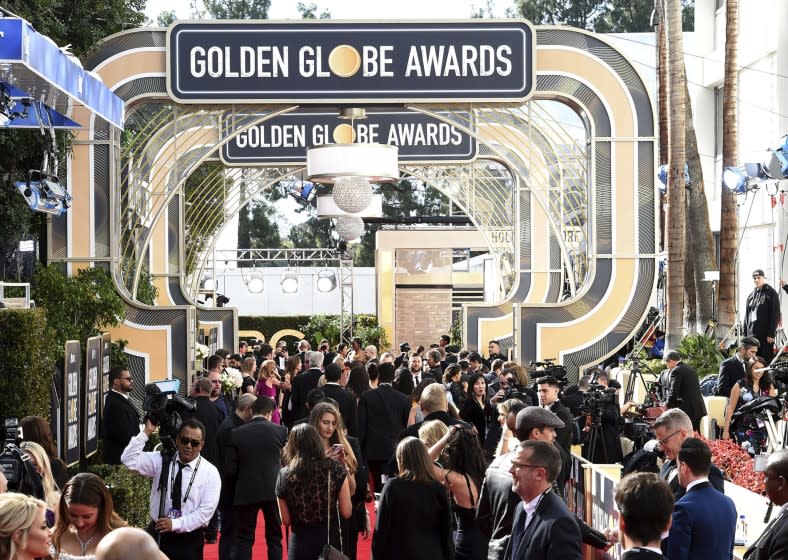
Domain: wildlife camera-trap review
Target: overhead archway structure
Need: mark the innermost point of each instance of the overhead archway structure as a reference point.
(565, 217)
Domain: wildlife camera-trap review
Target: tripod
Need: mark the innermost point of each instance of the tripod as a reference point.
(634, 374)
(736, 332)
(595, 435)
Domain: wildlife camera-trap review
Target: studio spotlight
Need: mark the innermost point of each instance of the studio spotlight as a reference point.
(735, 179)
(289, 281)
(776, 166)
(255, 283)
(662, 175)
(326, 281)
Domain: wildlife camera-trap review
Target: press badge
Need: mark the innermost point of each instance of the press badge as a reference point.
(174, 513)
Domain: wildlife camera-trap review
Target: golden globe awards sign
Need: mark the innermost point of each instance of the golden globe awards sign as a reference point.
(344, 62)
(92, 390)
(282, 140)
(71, 403)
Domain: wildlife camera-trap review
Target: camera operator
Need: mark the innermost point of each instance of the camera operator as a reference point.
(549, 387)
(18, 468)
(601, 440)
(192, 492)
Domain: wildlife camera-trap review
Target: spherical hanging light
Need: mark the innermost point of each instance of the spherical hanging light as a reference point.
(255, 283)
(350, 228)
(352, 194)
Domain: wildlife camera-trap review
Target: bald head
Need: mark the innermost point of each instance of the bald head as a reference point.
(128, 543)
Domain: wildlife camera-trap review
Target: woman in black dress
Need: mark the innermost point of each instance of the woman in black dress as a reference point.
(462, 472)
(477, 408)
(414, 518)
(305, 503)
(757, 382)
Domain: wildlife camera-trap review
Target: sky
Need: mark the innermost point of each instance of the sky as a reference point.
(357, 9)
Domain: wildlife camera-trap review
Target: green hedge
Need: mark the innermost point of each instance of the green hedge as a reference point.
(28, 360)
(130, 492)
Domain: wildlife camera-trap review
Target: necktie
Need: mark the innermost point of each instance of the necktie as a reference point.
(177, 488)
(518, 531)
(417, 380)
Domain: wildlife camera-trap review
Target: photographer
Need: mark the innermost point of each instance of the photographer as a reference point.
(601, 440)
(192, 491)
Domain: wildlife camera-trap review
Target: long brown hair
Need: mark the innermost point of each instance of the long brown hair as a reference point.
(291, 365)
(339, 434)
(35, 428)
(413, 461)
(765, 383)
(89, 490)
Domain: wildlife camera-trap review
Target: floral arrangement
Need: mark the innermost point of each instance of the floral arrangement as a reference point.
(736, 464)
(201, 351)
(231, 380)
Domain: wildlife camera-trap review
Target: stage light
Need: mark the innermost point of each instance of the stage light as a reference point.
(776, 166)
(662, 175)
(41, 198)
(289, 281)
(735, 179)
(255, 283)
(326, 281)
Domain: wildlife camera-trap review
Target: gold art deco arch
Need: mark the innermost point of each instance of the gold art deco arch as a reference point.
(614, 275)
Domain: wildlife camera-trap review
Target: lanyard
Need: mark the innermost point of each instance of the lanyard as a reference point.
(191, 481)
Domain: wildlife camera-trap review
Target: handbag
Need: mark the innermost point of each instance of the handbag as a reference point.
(331, 552)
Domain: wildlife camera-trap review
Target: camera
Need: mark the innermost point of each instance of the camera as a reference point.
(517, 391)
(549, 368)
(597, 397)
(17, 467)
(779, 372)
(165, 408)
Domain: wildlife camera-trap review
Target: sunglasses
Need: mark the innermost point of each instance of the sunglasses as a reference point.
(189, 441)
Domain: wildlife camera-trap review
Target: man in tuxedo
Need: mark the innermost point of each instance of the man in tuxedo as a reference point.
(733, 369)
(382, 415)
(645, 505)
(672, 428)
(543, 527)
(304, 382)
(229, 535)
(704, 520)
(548, 398)
(773, 542)
(684, 389)
(346, 401)
(121, 420)
(254, 457)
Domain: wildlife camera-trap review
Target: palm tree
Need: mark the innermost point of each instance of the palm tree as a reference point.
(676, 216)
(728, 222)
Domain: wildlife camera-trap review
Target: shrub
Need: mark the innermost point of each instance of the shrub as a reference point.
(130, 492)
(700, 353)
(28, 360)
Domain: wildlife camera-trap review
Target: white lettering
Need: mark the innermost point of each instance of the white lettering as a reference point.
(506, 64)
(197, 65)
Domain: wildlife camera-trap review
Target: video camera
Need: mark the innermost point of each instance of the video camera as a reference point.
(18, 469)
(517, 391)
(165, 408)
(549, 368)
(779, 372)
(597, 397)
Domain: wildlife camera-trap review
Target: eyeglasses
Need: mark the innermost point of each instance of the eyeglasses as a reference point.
(189, 441)
(662, 442)
(518, 466)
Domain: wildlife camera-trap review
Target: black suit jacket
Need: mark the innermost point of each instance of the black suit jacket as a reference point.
(413, 429)
(347, 405)
(641, 554)
(222, 441)
(715, 477)
(731, 370)
(772, 544)
(552, 533)
(497, 504)
(563, 435)
(121, 422)
(254, 458)
(382, 415)
(301, 385)
(684, 393)
(210, 415)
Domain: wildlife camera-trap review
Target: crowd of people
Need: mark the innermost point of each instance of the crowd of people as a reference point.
(466, 457)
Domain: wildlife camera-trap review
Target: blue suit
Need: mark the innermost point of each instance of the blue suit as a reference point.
(704, 523)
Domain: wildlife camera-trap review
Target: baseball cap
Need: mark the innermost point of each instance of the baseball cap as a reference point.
(404, 347)
(757, 272)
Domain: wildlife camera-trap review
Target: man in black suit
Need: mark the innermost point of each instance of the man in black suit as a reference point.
(304, 382)
(382, 415)
(733, 369)
(773, 542)
(684, 389)
(645, 506)
(346, 401)
(121, 420)
(254, 457)
(210, 415)
(671, 429)
(543, 527)
(229, 536)
(434, 406)
(434, 363)
(548, 398)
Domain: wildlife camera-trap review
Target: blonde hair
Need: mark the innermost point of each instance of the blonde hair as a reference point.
(247, 366)
(432, 431)
(339, 434)
(268, 369)
(17, 513)
(51, 494)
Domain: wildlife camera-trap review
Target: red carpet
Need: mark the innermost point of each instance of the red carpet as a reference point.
(259, 551)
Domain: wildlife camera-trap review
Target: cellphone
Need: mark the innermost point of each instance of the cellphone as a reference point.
(337, 448)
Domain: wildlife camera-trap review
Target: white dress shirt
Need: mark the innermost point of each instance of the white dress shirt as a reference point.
(204, 493)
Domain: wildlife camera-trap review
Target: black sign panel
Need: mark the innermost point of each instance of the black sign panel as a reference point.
(106, 350)
(213, 339)
(303, 62)
(71, 409)
(282, 140)
(91, 403)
